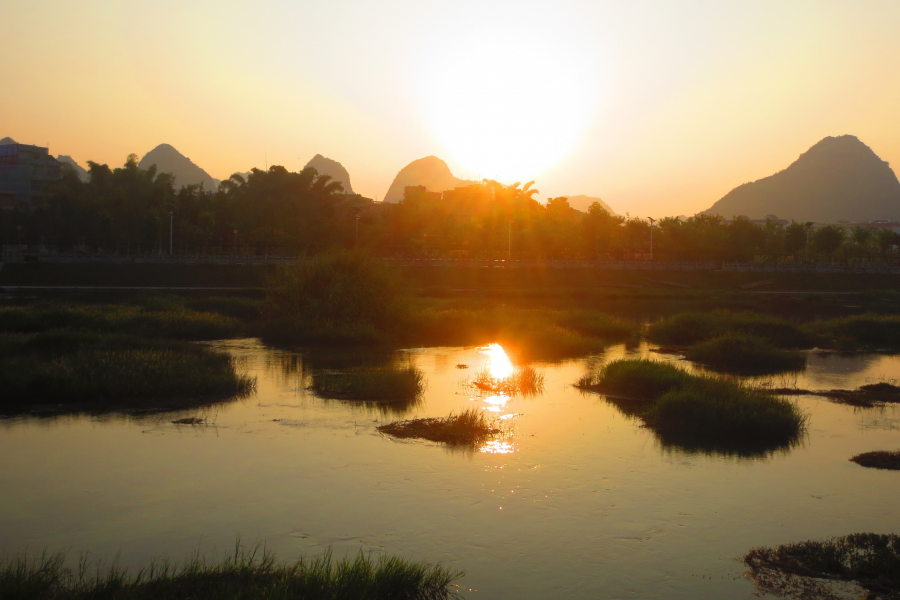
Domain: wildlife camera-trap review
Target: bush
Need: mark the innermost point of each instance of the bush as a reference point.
(746, 355)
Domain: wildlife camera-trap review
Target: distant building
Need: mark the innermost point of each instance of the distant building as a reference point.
(25, 171)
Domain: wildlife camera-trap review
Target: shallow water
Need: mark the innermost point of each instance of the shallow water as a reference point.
(577, 502)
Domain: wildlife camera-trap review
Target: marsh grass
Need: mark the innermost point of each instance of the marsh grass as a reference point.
(879, 459)
(745, 355)
(669, 399)
(246, 574)
(72, 367)
(469, 428)
(868, 331)
(524, 381)
(816, 569)
(686, 329)
(382, 384)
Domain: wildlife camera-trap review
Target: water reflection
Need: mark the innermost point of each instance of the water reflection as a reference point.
(499, 365)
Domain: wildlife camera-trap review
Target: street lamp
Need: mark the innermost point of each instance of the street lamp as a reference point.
(234, 253)
(509, 237)
(652, 221)
(171, 225)
(357, 229)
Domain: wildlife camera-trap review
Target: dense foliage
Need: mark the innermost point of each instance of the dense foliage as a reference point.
(279, 212)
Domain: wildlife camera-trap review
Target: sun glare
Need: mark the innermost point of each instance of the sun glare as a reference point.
(499, 364)
(507, 101)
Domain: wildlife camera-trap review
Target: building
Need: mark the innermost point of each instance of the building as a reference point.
(25, 171)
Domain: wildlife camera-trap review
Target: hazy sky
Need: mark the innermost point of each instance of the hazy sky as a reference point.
(657, 107)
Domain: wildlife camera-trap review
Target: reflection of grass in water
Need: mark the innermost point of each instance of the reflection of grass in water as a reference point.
(746, 355)
(668, 398)
(468, 428)
(384, 384)
(815, 569)
(880, 459)
(245, 574)
(525, 381)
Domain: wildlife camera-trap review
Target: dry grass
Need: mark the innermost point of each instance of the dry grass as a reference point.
(469, 428)
(880, 459)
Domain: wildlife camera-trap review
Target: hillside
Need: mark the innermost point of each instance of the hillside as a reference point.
(430, 171)
(582, 203)
(332, 168)
(169, 160)
(840, 178)
(82, 172)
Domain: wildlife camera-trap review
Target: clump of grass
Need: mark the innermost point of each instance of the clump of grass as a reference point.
(746, 355)
(468, 428)
(816, 569)
(880, 459)
(882, 388)
(669, 399)
(245, 574)
(869, 331)
(690, 328)
(525, 381)
(66, 367)
(383, 384)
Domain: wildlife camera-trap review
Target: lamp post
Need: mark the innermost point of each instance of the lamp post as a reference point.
(357, 229)
(652, 221)
(234, 252)
(171, 228)
(509, 238)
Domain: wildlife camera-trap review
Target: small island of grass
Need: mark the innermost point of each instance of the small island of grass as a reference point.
(378, 384)
(524, 381)
(879, 459)
(468, 428)
(745, 355)
(669, 399)
(817, 569)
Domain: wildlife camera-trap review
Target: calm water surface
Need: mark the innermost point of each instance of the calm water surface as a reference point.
(579, 501)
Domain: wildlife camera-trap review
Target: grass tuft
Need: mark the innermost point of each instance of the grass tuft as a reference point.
(383, 384)
(879, 459)
(525, 381)
(745, 355)
(245, 574)
(816, 569)
(468, 428)
(669, 399)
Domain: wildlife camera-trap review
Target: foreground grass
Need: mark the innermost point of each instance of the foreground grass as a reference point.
(814, 569)
(669, 399)
(69, 367)
(880, 459)
(244, 575)
(385, 384)
(745, 355)
(468, 428)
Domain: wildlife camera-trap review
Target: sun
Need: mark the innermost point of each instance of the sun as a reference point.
(507, 105)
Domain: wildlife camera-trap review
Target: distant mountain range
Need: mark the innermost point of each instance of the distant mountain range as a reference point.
(82, 172)
(582, 203)
(332, 168)
(838, 179)
(169, 160)
(430, 171)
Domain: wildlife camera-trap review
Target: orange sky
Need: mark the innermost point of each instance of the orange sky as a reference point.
(657, 107)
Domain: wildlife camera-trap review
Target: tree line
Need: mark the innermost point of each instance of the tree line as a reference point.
(279, 212)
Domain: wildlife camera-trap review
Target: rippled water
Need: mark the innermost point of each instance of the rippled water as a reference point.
(578, 502)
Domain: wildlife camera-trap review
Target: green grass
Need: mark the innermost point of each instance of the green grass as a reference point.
(745, 355)
(669, 399)
(815, 569)
(469, 428)
(879, 459)
(76, 367)
(247, 574)
(686, 329)
(383, 384)
(868, 331)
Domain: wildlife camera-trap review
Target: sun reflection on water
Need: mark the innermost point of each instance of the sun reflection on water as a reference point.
(499, 364)
(497, 447)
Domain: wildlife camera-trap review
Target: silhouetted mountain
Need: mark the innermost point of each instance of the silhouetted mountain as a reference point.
(82, 172)
(7, 141)
(169, 160)
(582, 203)
(840, 178)
(430, 171)
(332, 168)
